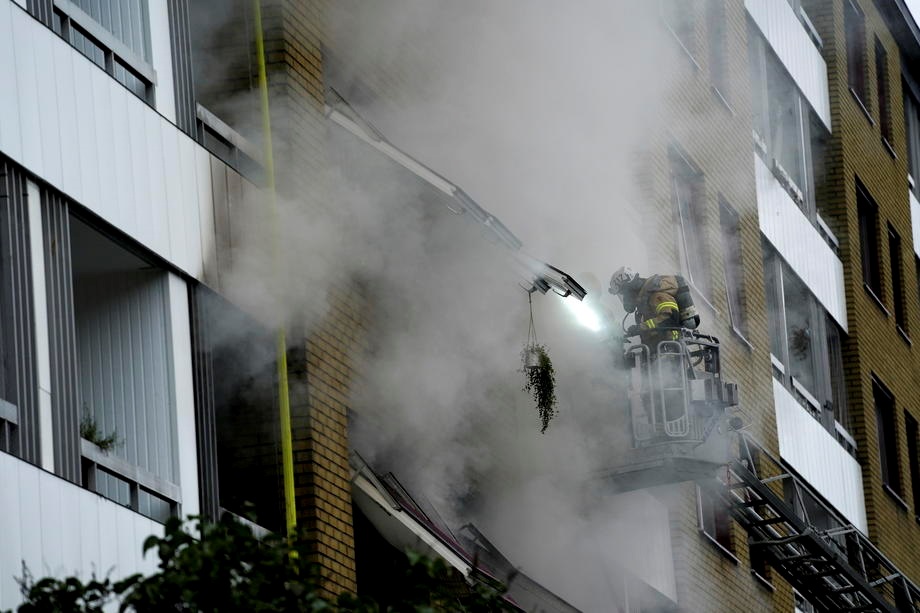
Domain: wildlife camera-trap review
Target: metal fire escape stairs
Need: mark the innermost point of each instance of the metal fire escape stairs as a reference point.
(681, 430)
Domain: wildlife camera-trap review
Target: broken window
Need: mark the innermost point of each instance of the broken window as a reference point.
(687, 194)
(715, 520)
(237, 416)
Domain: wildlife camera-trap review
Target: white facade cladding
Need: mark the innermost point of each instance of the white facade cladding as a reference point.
(814, 453)
(915, 221)
(55, 527)
(70, 123)
(799, 243)
(161, 57)
(796, 50)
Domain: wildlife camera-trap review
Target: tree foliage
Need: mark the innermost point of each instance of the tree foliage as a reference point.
(205, 566)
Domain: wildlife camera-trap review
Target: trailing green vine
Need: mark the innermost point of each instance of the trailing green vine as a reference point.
(540, 381)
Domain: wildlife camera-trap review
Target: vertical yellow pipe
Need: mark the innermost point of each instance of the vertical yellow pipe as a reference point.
(284, 400)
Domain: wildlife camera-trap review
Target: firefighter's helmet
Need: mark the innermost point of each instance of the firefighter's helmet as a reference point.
(623, 276)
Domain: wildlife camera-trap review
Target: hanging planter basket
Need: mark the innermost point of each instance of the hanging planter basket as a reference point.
(539, 375)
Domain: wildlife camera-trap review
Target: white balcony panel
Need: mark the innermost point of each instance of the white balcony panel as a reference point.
(781, 27)
(78, 129)
(799, 243)
(162, 59)
(814, 453)
(915, 220)
(60, 529)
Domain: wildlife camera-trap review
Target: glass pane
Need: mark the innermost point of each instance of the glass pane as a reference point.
(773, 291)
(800, 331)
(835, 365)
(785, 122)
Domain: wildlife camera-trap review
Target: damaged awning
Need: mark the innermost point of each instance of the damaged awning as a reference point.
(539, 275)
(402, 522)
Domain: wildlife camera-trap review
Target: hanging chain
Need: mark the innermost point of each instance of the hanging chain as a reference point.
(531, 330)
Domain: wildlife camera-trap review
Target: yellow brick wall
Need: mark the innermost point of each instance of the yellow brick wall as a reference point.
(874, 344)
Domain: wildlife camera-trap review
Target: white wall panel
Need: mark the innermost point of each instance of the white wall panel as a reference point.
(142, 164)
(46, 80)
(814, 453)
(173, 200)
(26, 33)
(800, 244)
(161, 58)
(184, 392)
(59, 528)
(10, 137)
(795, 49)
(102, 126)
(67, 114)
(86, 136)
(72, 125)
(915, 221)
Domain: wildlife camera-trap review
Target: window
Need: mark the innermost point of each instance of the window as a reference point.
(855, 25)
(114, 35)
(715, 520)
(718, 71)
(897, 284)
(734, 270)
(805, 343)
(868, 242)
(887, 437)
(788, 134)
(678, 15)
(235, 367)
(912, 134)
(884, 99)
(688, 196)
(913, 459)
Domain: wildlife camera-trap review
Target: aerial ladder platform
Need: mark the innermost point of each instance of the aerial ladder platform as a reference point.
(682, 430)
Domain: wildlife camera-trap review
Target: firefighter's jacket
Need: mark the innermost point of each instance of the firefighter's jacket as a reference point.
(656, 306)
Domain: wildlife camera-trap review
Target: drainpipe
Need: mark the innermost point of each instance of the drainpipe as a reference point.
(284, 399)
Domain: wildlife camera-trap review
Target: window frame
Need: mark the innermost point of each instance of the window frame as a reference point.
(896, 260)
(856, 53)
(887, 437)
(912, 432)
(883, 93)
(690, 221)
(718, 47)
(733, 266)
(714, 522)
(869, 248)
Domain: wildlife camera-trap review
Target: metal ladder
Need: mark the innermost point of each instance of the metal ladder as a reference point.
(835, 567)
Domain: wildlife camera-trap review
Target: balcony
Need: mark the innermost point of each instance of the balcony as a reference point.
(817, 456)
(799, 242)
(796, 48)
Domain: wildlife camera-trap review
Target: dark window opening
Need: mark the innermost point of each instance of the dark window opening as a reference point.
(884, 99)
(715, 520)
(838, 383)
(887, 437)
(688, 196)
(730, 225)
(855, 25)
(678, 14)
(868, 241)
(897, 284)
(913, 459)
(912, 136)
(715, 20)
(238, 406)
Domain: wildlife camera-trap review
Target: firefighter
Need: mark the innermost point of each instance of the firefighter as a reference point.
(659, 301)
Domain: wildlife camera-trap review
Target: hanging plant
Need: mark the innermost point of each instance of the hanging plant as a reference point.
(540, 381)
(539, 375)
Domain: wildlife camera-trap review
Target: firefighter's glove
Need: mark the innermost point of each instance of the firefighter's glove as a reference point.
(633, 330)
